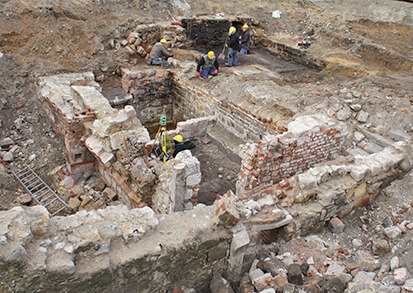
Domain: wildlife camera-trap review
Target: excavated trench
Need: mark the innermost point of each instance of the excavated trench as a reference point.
(155, 95)
(152, 95)
(219, 169)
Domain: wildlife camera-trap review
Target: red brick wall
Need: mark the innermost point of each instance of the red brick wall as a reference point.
(279, 157)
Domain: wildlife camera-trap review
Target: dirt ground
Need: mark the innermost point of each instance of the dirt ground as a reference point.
(48, 37)
(219, 172)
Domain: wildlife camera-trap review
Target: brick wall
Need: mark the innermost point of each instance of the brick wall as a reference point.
(192, 102)
(291, 54)
(334, 188)
(206, 32)
(310, 140)
(242, 123)
(72, 128)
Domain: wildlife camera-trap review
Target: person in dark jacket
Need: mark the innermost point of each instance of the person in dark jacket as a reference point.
(207, 65)
(234, 46)
(245, 39)
(180, 145)
(158, 51)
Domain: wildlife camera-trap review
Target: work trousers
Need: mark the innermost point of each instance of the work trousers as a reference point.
(205, 72)
(232, 57)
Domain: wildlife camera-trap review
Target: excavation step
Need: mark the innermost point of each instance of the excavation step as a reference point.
(398, 135)
(226, 141)
(358, 151)
(377, 138)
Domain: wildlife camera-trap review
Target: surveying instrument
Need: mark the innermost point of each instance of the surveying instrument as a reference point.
(160, 151)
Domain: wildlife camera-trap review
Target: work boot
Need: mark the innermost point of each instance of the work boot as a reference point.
(228, 65)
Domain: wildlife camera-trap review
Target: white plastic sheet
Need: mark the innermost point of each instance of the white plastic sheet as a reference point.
(276, 14)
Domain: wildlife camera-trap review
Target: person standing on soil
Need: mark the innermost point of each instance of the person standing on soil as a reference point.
(158, 51)
(245, 39)
(207, 65)
(234, 46)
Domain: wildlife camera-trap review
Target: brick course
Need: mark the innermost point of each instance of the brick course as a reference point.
(279, 157)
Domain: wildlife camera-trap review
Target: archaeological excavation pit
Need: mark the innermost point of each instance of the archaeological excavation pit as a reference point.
(269, 164)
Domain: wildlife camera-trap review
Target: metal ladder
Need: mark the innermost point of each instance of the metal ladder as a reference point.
(40, 191)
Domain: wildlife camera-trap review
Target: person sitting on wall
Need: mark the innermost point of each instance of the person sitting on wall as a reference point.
(180, 145)
(158, 51)
(207, 65)
(234, 46)
(245, 39)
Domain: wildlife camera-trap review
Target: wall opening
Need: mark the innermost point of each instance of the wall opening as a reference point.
(269, 236)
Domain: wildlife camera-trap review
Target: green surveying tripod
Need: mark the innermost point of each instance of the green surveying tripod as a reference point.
(163, 137)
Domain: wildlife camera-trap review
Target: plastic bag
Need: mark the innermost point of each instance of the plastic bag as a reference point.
(276, 14)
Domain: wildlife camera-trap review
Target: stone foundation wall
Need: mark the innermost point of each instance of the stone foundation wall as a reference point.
(144, 36)
(335, 188)
(310, 140)
(109, 250)
(151, 92)
(179, 184)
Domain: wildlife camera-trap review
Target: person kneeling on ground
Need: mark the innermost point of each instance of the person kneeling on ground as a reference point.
(158, 51)
(207, 65)
(245, 39)
(180, 145)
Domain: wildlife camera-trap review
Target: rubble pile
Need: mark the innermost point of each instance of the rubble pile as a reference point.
(312, 264)
(82, 190)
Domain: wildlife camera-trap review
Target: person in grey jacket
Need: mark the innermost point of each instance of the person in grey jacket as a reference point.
(158, 51)
(245, 39)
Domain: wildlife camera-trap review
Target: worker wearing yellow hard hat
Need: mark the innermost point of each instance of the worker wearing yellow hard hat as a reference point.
(245, 39)
(180, 145)
(178, 138)
(234, 46)
(158, 51)
(207, 66)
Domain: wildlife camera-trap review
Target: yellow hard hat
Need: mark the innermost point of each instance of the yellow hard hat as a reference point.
(163, 41)
(245, 26)
(232, 29)
(178, 138)
(211, 54)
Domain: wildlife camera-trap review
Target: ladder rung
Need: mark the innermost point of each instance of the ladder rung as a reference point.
(21, 173)
(26, 179)
(43, 200)
(50, 202)
(39, 190)
(43, 194)
(59, 210)
(37, 187)
(34, 182)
